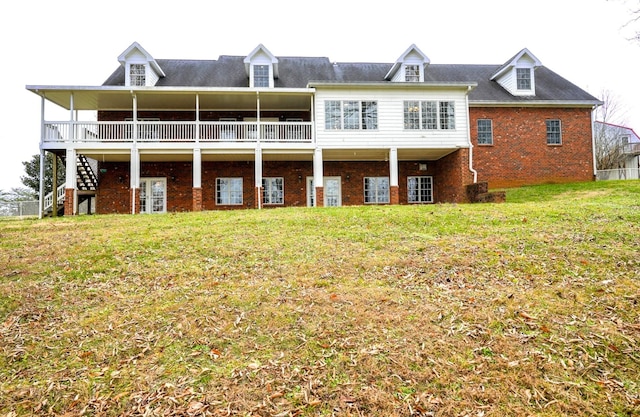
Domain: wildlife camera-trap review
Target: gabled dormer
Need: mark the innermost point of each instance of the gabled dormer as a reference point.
(409, 67)
(139, 67)
(517, 75)
(261, 67)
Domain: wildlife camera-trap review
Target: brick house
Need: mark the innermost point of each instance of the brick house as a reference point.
(267, 131)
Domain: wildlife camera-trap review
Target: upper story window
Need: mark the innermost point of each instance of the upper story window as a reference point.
(137, 75)
(523, 76)
(412, 73)
(554, 132)
(351, 115)
(261, 75)
(485, 132)
(429, 115)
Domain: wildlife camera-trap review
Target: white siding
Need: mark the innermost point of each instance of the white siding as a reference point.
(391, 130)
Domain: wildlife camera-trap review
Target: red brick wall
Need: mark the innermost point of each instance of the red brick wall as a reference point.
(520, 154)
(450, 176)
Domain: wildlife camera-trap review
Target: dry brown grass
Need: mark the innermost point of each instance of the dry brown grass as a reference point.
(528, 308)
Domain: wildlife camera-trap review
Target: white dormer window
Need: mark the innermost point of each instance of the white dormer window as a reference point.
(412, 73)
(410, 67)
(261, 67)
(137, 75)
(261, 75)
(523, 78)
(140, 67)
(517, 75)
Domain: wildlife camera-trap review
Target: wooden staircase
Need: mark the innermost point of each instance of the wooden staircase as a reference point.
(87, 183)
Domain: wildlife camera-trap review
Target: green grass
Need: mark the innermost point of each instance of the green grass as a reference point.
(524, 308)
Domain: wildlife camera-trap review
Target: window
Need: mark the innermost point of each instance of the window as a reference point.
(554, 132)
(376, 190)
(229, 191)
(333, 115)
(429, 115)
(261, 76)
(523, 76)
(485, 132)
(447, 115)
(420, 189)
(352, 115)
(412, 73)
(273, 190)
(412, 115)
(137, 75)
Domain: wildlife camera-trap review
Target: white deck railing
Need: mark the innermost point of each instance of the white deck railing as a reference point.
(158, 131)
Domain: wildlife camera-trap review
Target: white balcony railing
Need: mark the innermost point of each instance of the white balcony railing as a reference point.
(632, 148)
(158, 131)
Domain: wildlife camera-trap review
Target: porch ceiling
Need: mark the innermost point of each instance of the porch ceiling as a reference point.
(248, 154)
(121, 98)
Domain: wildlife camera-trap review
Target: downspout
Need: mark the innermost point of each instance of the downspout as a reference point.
(475, 173)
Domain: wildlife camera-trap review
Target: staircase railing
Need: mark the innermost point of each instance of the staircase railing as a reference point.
(48, 199)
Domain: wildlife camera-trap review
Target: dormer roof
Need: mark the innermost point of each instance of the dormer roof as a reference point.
(413, 54)
(523, 56)
(261, 51)
(137, 51)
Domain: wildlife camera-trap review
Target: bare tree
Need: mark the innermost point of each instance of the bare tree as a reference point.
(609, 146)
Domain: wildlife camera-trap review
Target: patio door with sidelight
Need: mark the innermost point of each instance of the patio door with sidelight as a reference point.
(153, 195)
(332, 191)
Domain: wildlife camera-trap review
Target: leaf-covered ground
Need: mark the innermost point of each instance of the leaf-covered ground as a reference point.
(528, 308)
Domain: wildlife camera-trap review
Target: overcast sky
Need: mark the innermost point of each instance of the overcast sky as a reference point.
(67, 42)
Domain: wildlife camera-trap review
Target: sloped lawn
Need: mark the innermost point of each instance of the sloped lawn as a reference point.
(528, 308)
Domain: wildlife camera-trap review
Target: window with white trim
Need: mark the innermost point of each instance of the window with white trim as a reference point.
(420, 189)
(137, 75)
(229, 191)
(376, 190)
(351, 115)
(429, 115)
(523, 78)
(485, 132)
(412, 73)
(261, 75)
(554, 132)
(273, 190)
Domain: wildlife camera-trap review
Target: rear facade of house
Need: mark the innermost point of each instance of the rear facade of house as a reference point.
(261, 131)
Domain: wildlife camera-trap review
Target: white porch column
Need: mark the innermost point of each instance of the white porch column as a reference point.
(41, 208)
(197, 180)
(394, 189)
(258, 175)
(70, 192)
(318, 178)
(197, 168)
(134, 180)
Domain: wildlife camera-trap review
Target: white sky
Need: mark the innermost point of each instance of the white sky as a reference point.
(77, 42)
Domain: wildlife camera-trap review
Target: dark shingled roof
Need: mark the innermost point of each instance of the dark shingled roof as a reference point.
(297, 72)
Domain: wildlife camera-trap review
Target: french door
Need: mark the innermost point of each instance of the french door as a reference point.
(153, 195)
